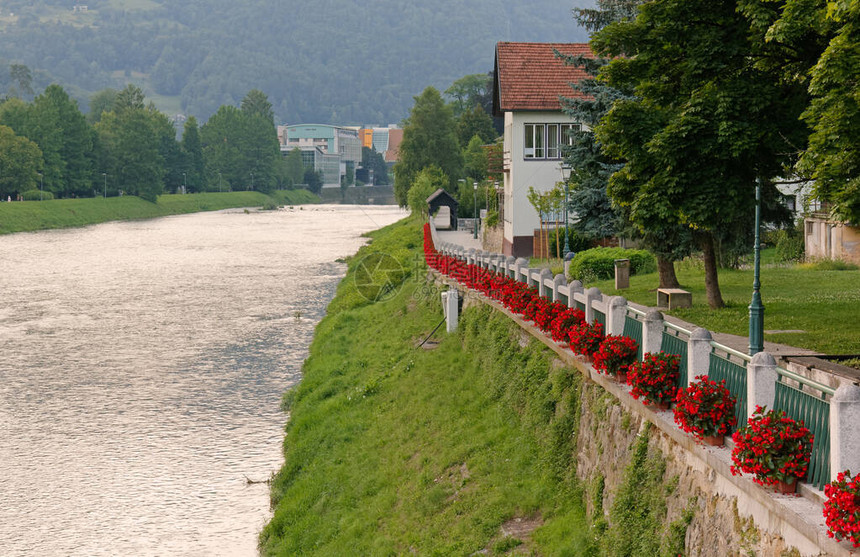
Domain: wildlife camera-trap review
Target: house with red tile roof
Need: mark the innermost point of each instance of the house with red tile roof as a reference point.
(529, 82)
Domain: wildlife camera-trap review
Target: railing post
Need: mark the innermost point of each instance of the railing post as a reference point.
(542, 289)
(652, 332)
(558, 280)
(574, 288)
(450, 301)
(591, 294)
(698, 353)
(616, 312)
(520, 264)
(844, 433)
(510, 267)
(761, 382)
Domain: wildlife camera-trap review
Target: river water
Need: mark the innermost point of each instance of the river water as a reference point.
(141, 370)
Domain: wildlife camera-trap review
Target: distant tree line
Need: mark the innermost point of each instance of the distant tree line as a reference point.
(126, 146)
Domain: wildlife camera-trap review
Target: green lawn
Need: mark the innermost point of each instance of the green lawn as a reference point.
(824, 304)
(27, 216)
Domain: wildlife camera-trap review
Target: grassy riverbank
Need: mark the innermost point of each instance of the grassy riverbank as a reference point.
(393, 449)
(27, 216)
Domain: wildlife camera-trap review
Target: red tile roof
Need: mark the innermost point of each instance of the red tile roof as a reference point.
(529, 76)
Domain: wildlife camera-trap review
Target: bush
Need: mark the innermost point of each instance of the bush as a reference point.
(576, 241)
(789, 245)
(492, 218)
(599, 263)
(36, 195)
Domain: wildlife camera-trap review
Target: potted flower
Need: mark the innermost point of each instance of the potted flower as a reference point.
(654, 379)
(585, 338)
(842, 508)
(614, 355)
(564, 322)
(706, 409)
(774, 448)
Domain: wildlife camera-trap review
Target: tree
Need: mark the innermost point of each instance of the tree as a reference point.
(20, 163)
(705, 122)
(259, 139)
(428, 138)
(130, 98)
(295, 169)
(221, 147)
(101, 102)
(475, 121)
(832, 159)
(374, 161)
(476, 159)
(426, 183)
(192, 153)
(256, 102)
(313, 180)
(75, 138)
(470, 91)
(22, 76)
(131, 144)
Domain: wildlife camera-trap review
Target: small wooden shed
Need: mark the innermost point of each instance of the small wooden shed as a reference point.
(439, 199)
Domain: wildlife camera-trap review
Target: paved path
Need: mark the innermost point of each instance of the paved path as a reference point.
(460, 237)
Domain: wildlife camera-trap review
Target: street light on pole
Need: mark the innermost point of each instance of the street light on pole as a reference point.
(565, 174)
(184, 183)
(756, 307)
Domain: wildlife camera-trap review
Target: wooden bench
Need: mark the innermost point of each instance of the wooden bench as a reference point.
(673, 298)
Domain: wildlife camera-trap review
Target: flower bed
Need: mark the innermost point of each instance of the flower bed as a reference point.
(585, 338)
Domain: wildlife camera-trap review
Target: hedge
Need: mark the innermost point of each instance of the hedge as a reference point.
(599, 263)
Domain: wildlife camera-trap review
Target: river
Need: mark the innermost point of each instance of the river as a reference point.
(141, 370)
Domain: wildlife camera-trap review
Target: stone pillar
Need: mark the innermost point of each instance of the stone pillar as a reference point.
(591, 294)
(542, 288)
(471, 258)
(557, 281)
(698, 353)
(450, 303)
(616, 314)
(761, 382)
(575, 287)
(510, 267)
(844, 430)
(652, 332)
(522, 269)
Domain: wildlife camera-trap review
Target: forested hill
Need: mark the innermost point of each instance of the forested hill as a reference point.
(338, 61)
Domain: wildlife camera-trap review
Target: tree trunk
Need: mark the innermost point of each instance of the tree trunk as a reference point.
(666, 272)
(712, 284)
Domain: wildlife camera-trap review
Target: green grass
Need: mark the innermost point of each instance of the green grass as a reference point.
(823, 303)
(27, 216)
(393, 449)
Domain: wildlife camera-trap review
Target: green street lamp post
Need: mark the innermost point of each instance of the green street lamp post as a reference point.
(475, 203)
(756, 307)
(565, 174)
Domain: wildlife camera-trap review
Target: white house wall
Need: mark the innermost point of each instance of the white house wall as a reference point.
(521, 219)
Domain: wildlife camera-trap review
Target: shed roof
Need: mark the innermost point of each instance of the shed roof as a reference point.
(529, 76)
(446, 197)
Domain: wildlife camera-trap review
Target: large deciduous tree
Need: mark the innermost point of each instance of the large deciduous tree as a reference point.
(707, 119)
(192, 154)
(429, 138)
(20, 163)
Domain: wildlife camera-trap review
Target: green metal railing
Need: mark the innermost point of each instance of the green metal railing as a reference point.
(675, 342)
(600, 317)
(803, 399)
(633, 328)
(580, 305)
(562, 298)
(732, 368)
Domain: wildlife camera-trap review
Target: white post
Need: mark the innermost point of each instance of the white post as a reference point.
(615, 315)
(575, 287)
(652, 332)
(761, 382)
(591, 294)
(452, 309)
(844, 433)
(544, 275)
(698, 353)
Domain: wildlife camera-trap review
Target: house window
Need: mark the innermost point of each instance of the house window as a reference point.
(534, 145)
(544, 141)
